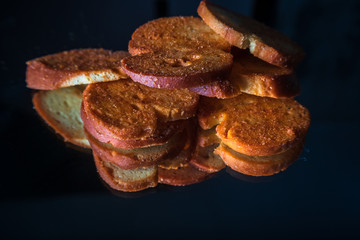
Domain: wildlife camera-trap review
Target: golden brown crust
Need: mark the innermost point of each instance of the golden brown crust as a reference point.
(130, 111)
(138, 157)
(253, 76)
(75, 136)
(68, 68)
(205, 160)
(178, 68)
(161, 135)
(176, 33)
(106, 172)
(259, 166)
(182, 176)
(243, 32)
(257, 126)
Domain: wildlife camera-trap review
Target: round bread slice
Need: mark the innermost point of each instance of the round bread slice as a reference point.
(75, 67)
(162, 134)
(178, 68)
(61, 110)
(253, 76)
(256, 126)
(259, 165)
(137, 157)
(182, 176)
(246, 33)
(131, 111)
(126, 180)
(175, 33)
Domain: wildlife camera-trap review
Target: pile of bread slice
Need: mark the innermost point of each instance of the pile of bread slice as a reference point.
(192, 96)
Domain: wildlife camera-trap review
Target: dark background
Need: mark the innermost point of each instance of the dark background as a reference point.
(50, 190)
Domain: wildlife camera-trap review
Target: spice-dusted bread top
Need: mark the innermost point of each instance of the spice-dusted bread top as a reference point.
(177, 33)
(257, 126)
(179, 69)
(60, 108)
(129, 110)
(75, 67)
(246, 33)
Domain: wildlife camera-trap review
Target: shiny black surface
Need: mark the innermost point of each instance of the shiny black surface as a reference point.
(50, 190)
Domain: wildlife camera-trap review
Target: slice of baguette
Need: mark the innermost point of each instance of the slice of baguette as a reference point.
(253, 76)
(75, 67)
(130, 111)
(256, 126)
(162, 134)
(137, 157)
(246, 33)
(126, 180)
(61, 110)
(259, 165)
(175, 33)
(178, 68)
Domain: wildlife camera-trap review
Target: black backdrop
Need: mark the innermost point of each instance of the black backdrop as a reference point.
(50, 190)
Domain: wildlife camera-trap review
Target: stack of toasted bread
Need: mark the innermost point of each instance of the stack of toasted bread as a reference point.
(192, 97)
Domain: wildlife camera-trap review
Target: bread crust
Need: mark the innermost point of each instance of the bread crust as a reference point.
(137, 157)
(245, 33)
(259, 165)
(253, 76)
(130, 111)
(51, 113)
(69, 68)
(178, 68)
(182, 176)
(106, 172)
(163, 133)
(179, 33)
(256, 126)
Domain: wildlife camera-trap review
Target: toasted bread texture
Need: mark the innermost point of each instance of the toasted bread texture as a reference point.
(178, 68)
(61, 110)
(257, 126)
(75, 67)
(137, 157)
(162, 134)
(131, 180)
(253, 76)
(246, 33)
(259, 165)
(175, 33)
(128, 110)
(182, 176)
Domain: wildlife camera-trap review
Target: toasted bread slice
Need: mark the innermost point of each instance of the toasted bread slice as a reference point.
(207, 137)
(246, 33)
(253, 76)
(259, 165)
(182, 176)
(162, 134)
(205, 160)
(126, 180)
(74, 67)
(137, 157)
(61, 110)
(175, 33)
(128, 110)
(256, 126)
(178, 68)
